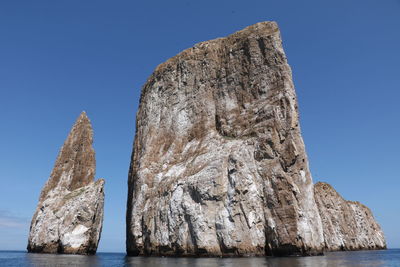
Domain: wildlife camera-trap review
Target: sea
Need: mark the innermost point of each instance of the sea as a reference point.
(376, 258)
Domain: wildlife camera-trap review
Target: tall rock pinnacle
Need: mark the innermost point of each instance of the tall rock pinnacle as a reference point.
(69, 216)
(76, 165)
(219, 165)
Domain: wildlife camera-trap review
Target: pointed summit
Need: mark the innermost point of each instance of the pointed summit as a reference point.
(83, 117)
(75, 165)
(69, 216)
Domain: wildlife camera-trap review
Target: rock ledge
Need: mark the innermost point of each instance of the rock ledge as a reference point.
(348, 225)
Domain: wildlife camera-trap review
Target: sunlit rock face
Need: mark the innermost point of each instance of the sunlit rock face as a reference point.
(69, 216)
(347, 225)
(219, 166)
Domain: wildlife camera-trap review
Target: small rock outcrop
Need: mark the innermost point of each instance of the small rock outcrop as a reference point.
(69, 216)
(219, 166)
(347, 225)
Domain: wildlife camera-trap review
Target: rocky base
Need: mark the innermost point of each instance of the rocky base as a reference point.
(70, 222)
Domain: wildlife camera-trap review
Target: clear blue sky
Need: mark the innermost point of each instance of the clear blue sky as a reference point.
(58, 58)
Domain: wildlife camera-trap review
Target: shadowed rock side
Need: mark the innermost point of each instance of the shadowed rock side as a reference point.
(218, 164)
(69, 216)
(347, 225)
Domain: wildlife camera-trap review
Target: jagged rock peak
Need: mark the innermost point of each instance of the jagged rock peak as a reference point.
(219, 166)
(69, 215)
(75, 165)
(347, 225)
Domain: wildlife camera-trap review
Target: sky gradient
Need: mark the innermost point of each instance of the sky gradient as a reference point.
(58, 58)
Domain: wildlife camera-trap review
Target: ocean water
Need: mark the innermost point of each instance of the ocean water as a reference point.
(379, 258)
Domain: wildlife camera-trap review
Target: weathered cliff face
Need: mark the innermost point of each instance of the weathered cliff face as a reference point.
(69, 216)
(347, 225)
(219, 165)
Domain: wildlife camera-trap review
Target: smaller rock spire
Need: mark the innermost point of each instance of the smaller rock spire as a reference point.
(75, 165)
(69, 216)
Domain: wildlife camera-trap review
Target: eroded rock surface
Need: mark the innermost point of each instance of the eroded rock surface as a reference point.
(347, 225)
(69, 216)
(219, 165)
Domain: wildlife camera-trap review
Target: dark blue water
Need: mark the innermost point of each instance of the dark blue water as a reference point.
(379, 258)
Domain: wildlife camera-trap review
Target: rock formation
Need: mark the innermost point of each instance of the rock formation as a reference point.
(347, 225)
(218, 166)
(69, 216)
